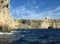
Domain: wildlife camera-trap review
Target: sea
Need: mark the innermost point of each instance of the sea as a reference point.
(38, 36)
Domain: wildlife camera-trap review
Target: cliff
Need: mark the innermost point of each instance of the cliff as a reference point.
(6, 20)
(37, 24)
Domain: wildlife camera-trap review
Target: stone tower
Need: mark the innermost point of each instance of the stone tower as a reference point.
(6, 19)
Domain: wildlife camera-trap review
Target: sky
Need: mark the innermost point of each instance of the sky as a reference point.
(35, 9)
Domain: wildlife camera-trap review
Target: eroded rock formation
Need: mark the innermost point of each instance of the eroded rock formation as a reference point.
(6, 20)
(38, 24)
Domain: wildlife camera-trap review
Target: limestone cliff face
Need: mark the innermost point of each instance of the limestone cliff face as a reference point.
(6, 19)
(37, 24)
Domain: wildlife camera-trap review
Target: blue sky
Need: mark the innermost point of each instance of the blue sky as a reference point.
(35, 9)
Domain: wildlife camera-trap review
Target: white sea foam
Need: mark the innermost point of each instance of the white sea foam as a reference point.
(2, 33)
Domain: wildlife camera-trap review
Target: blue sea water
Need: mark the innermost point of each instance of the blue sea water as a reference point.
(38, 36)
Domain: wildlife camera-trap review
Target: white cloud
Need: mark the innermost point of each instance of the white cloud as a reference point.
(24, 13)
(55, 13)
